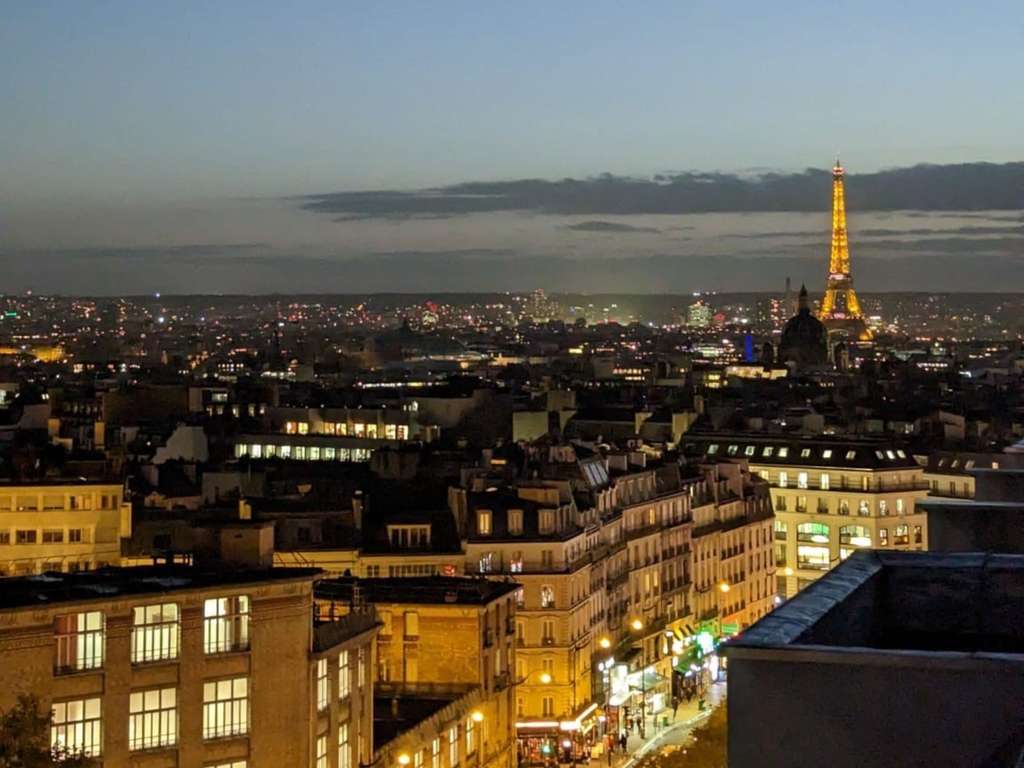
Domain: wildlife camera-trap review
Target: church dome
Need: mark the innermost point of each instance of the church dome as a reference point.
(804, 339)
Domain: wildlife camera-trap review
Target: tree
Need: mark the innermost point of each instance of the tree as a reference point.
(705, 748)
(25, 740)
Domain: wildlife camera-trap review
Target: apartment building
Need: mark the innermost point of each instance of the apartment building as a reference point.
(445, 654)
(61, 525)
(167, 666)
(831, 496)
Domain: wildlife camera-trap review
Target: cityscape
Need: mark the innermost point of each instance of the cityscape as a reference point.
(494, 518)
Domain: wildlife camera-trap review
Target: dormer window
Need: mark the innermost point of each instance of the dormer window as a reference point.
(483, 522)
(515, 521)
(547, 520)
(409, 536)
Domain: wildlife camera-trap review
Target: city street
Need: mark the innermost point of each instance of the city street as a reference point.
(686, 719)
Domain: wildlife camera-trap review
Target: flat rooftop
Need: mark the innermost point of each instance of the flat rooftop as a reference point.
(417, 589)
(109, 583)
(903, 603)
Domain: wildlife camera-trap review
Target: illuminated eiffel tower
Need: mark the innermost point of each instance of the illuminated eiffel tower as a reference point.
(840, 308)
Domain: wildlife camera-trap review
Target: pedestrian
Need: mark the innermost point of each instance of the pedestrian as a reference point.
(622, 741)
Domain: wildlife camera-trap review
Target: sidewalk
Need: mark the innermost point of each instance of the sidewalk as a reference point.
(687, 716)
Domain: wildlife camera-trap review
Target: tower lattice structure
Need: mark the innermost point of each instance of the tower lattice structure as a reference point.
(840, 307)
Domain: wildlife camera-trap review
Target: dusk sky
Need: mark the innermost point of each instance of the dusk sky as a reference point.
(199, 125)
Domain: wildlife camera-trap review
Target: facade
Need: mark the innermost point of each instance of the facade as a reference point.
(445, 654)
(830, 497)
(892, 659)
(61, 525)
(167, 666)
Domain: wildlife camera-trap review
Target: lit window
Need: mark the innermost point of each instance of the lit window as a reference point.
(890, 455)
(783, 452)
(813, 558)
(863, 508)
(321, 751)
(344, 748)
(749, 450)
(226, 708)
(483, 523)
(801, 480)
(883, 537)
(323, 686)
(783, 479)
(712, 449)
(515, 521)
(883, 507)
(732, 450)
(152, 719)
(80, 641)
(851, 455)
(390, 431)
(827, 453)
(156, 632)
(470, 736)
(412, 625)
(816, 533)
(76, 726)
(899, 506)
(435, 753)
(344, 676)
(825, 481)
(53, 535)
(226, 624)
(403, 432)
(805, 453)
(547, 597)
(768, 451)
(453, 746)
(901, 535)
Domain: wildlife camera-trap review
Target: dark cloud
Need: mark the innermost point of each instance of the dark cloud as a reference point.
(928, 231)
(965, 187)
(609, 226)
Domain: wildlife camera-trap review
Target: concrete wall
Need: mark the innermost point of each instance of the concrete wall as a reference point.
(856, 715)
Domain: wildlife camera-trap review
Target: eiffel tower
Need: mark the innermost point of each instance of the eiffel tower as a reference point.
(840, 308)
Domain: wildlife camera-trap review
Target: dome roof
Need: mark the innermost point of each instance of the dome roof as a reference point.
(804, 339)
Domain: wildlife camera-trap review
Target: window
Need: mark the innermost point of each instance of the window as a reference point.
(226, 624)
(805, 453)
(75, 536)
(883, 537)
(851, 455)
(484, 565)
(547, 597)
(816, 533)
(901, 535)
(515, 521)
(323, 687)
(453, 746)
(548, 632)
(361, 669)
(548, 706)
(470, 736)
(547, 520)
(483, 523)
(152, 719)
(5, 537)
(781, 557)
(768, 451)
(855, 535)
(24, 537)
(515, 563)
(749, 450)
(520, 598)
(226, 708)
(813, 558)
(712, 449)
(883, 507)
(412, 625)
(344, 676)
(435, 753)
(781, 530)
(344, 748)
(827, 453)
(783, 479)
(844, 506)
(53, 536)
(80, 641)
(232, 764)
(417, 759)
(899, 506)
(801, 503)
(385, 620)
(780, 503)
(321, 751)
(801, 480)
(826, 481)
(156, 632)
(863, 508)
(783, 452)
(918, 534)
(76, 726)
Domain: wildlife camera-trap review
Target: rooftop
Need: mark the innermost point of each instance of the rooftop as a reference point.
(422, 590)
(902, 605)
(109, 583)
(787, 450)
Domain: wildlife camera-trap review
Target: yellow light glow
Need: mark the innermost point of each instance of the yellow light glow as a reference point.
(724, 586)
(403, 759)
(787, 571)
(637, 625)
(477, 716)
(604, 642)
(545, 678)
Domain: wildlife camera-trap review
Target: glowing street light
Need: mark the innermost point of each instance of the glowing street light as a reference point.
(545, 678)
(605, 643)
(477, 716)
(403, 759)
(724, 586)
(637, 625)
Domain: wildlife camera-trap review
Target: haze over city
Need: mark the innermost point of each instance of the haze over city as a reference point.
(245, 148)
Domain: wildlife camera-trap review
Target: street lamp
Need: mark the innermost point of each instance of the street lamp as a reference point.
(638, 625)
(605, 643)
(403, 759)
(725, 586)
